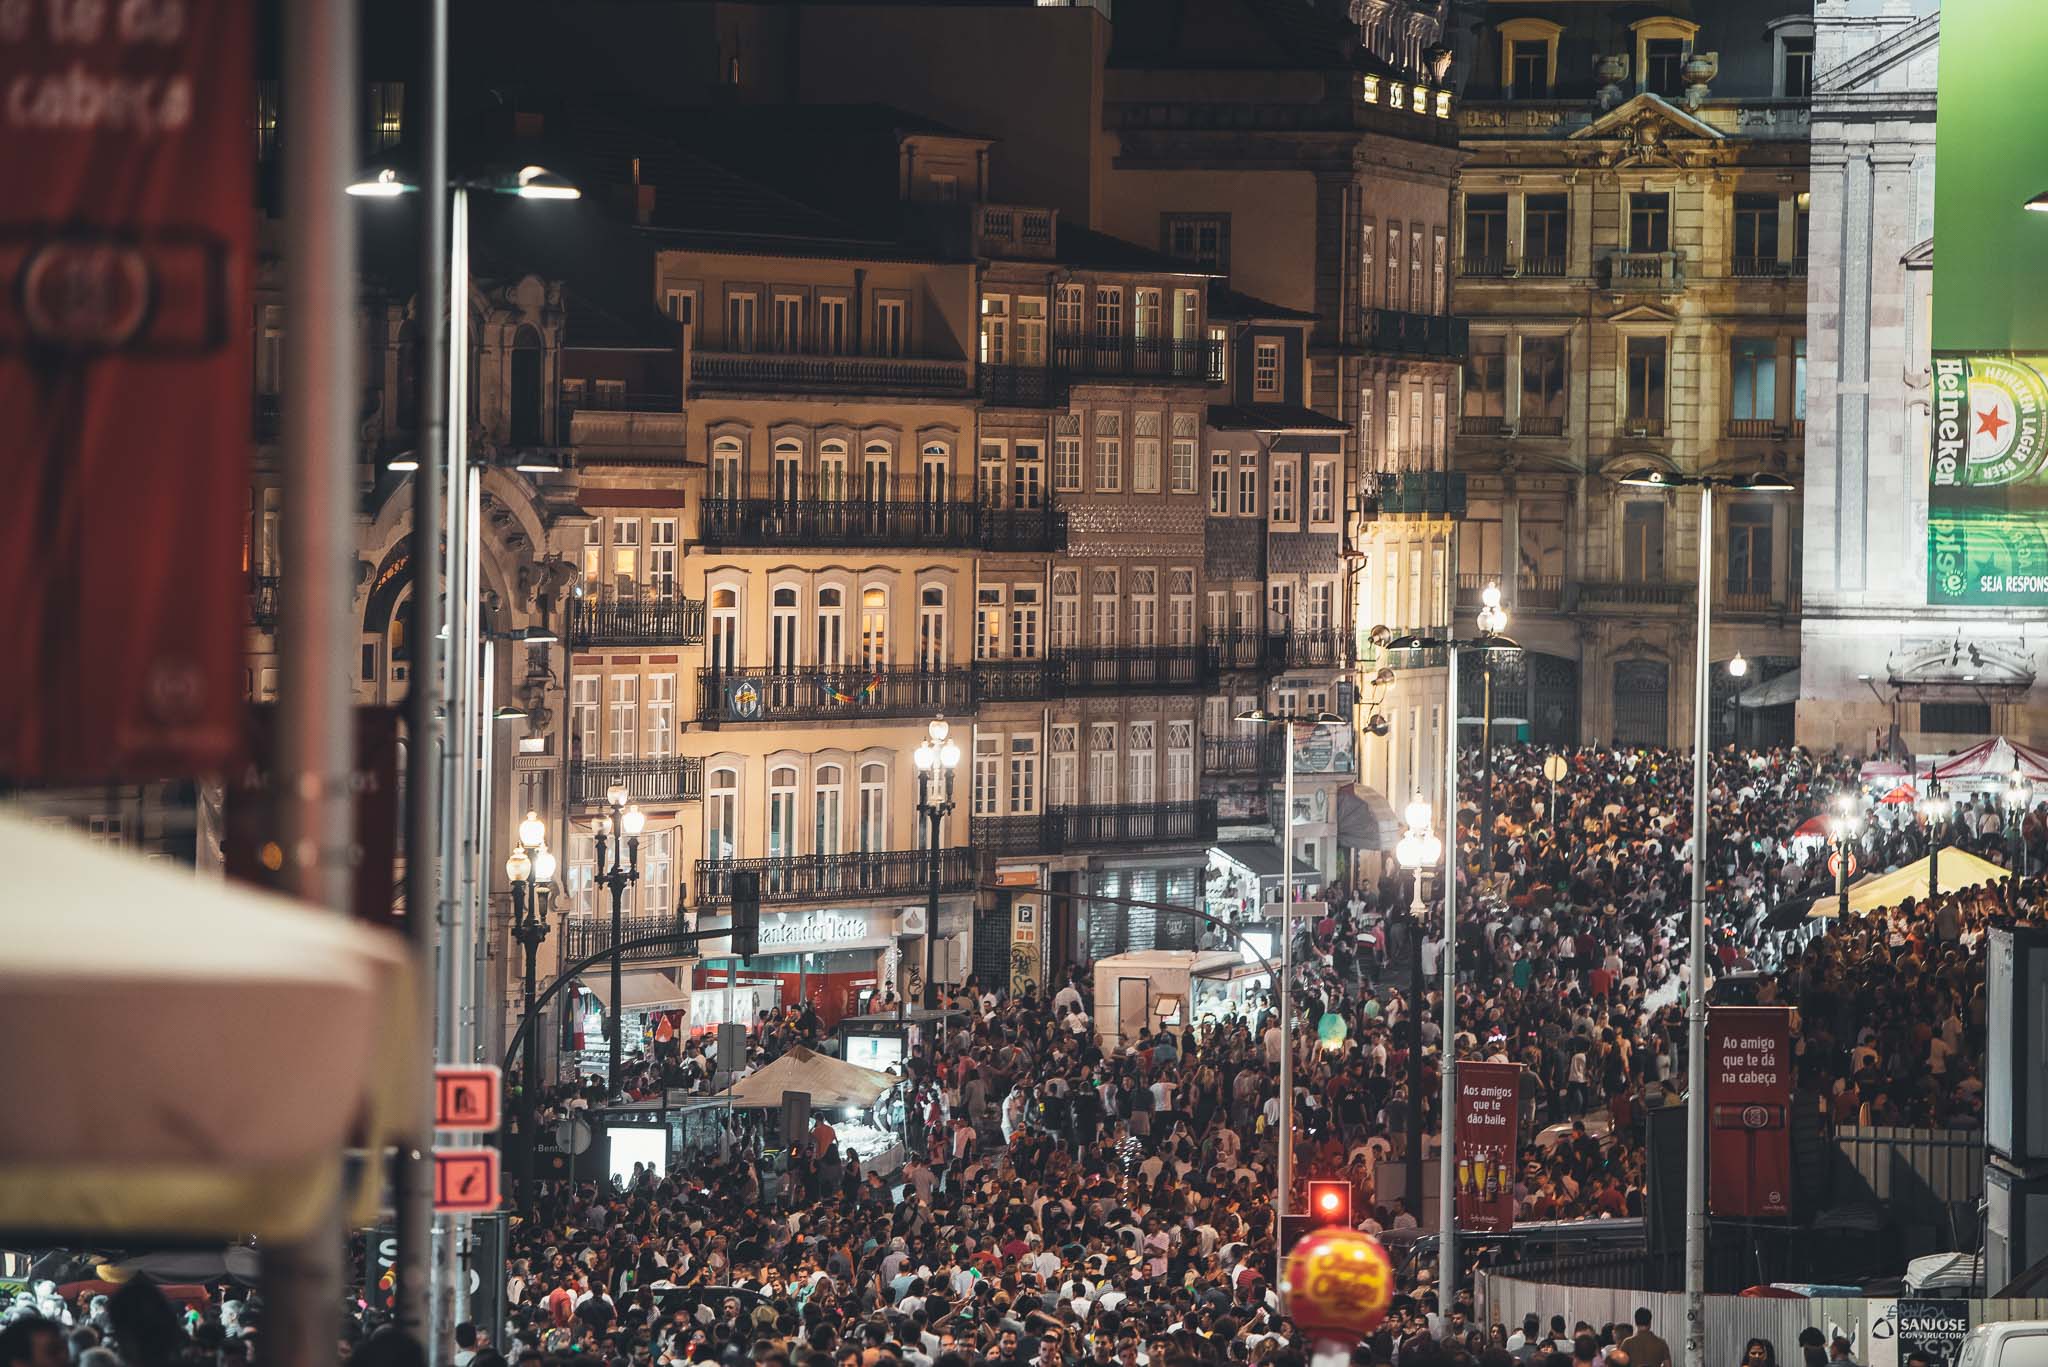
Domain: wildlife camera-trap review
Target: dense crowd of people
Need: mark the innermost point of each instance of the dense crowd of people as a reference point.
(1068, 1200)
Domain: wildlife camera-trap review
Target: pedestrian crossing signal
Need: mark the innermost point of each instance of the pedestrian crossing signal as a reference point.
(1329, 1203)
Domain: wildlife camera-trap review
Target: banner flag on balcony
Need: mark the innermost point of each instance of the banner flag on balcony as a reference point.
(1987, 497)
(126, 235)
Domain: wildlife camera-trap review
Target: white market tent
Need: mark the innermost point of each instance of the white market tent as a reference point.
(122, 982)
(1994, 760)
(1959, 869)
(831, 1082)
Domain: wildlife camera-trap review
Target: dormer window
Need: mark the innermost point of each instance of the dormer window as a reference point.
(1528, 58)
(1662, 47)
(1792, 50)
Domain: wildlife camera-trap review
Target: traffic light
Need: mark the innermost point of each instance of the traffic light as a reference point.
(1329, 1203)
(746, 913)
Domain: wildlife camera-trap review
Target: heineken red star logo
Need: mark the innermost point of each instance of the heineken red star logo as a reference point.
(1990, 422)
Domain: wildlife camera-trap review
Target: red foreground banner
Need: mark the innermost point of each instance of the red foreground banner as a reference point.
(1749, 1107)
(1486, 1145)
(125, 237)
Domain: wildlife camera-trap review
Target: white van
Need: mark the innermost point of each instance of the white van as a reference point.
(2010, 1343)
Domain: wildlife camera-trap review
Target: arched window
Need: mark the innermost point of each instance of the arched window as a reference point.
(828, 810)
(781, 823)
(832, 471)
(726, 468)
(724, 653)
(874, 808)
(874, 628)
(934, 463)
(722, 814)
(831, 629)
(874, 472)
(528, 406)
(931, 627)
(789, 466)
(782, 630)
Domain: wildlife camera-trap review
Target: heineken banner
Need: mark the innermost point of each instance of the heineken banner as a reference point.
(1987, 491)
(1987, 542)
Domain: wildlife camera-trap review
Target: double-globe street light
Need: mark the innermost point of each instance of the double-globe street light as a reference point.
(618, 868)
(1696, 998)
(936, 758)
(1843, 825)
(1492, 621)
(530, 869)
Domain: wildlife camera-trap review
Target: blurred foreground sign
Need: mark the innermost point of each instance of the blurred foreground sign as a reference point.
(125, 232)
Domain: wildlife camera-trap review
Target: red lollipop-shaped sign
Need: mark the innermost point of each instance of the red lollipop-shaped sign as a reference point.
(1339, 1284)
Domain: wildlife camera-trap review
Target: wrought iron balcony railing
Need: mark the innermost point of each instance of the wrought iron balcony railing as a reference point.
(1061, 830)
(263, 602)
(1118, 669)
(1237, 649)
(1421, 493)
(1242, 756)
(1637, 591)
(760, 370)
(1543, 267)
(1645, 270)
(1019, 680)
(601, 619)
(1413, 334)
(671, 778)
(783, 524)
(1085, 354)
(741, 695)
(584, 936)
(825, 877)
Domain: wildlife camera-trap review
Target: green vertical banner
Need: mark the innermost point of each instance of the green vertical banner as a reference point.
(1987, 502)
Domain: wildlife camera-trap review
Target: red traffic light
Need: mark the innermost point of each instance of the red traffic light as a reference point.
(1329, 1203)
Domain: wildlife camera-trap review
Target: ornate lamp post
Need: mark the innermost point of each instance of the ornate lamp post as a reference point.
(530, 869)
(1417, 851)
(619, 827)
(936, 758)
(1493, 620)
(1842, 828)
(1935, 807)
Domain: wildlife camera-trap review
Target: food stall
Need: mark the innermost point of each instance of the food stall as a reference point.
(1169, 989)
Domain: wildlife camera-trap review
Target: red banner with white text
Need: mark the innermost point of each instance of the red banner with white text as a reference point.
(1749, 1107)
(125, 236)
(1486, 1144)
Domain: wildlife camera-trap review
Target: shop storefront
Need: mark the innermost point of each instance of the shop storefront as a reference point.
(838, 959)
(652, 1003)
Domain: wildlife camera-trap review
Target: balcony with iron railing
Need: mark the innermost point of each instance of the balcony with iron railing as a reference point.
(1064, 830)
(793, 372)
(1540, 424)
(1755, 429)
(1483, 266)
(803, 523)
(263, 602)
(1757, 598)
(1481, 424)
(1037, 680)
(1243, 649)
(650, 618)
(1421, 493)
(837, 695)
(1540, 592)
(670, 778)
(855, 876)
(1641, 425)
(1242, 756)
(1645, 271)
(1427, 335)
(1135, 669)
(1020, 386)
(1431, 657)
(1082, 356)
(1543, 267)
(583, 936)
(1632, 593)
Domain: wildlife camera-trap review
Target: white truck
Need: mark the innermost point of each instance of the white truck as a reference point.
(2006, 1343)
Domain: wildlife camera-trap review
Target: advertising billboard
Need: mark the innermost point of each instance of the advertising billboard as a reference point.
(1749, 1107)
(1486, 1146)
(1988, 489)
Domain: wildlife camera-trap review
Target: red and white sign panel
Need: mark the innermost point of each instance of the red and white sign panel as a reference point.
(125, 238)
(465, 1181)
(1486, 1145)
(1749, 1107)
(466, 1098)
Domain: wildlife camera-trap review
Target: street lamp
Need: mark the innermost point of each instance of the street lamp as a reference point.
(2016, 795)
(936, 758)
(624, 818)
(530, 869)
(1491, 620)
(1842, 828)
(1416, 852)
(1283, 1143)
(1696, 1006)
(1934, 807)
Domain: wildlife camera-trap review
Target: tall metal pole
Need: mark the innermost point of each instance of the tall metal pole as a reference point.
(322, 386)
(1284, 1141)
(931, 907)
(1447, 1052)
(427, 694)
(1485, 764)
(899, 981)
(1696, 997)
(1416, 1071)
(458, 784)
